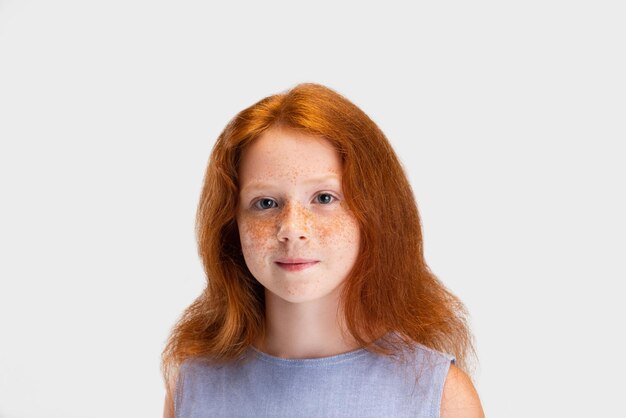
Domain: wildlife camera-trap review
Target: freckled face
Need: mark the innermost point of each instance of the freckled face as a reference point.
(291, 207)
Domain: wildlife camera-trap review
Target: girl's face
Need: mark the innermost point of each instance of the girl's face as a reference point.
(298, 237)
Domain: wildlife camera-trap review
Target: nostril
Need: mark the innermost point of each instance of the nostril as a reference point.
(293, 231)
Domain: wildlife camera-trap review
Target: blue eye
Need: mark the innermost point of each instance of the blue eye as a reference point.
(267, 203)
(328, 196)
(263, 204)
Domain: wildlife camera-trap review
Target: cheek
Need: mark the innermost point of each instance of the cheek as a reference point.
(255, 235)
(341, 231)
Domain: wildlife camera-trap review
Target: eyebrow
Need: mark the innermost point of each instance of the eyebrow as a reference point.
(316, 180)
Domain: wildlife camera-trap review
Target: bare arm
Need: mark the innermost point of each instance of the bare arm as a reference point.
(170, 390)
(168, 408)
(460, 399)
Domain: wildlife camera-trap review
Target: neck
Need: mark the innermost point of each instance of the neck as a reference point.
(310, 329)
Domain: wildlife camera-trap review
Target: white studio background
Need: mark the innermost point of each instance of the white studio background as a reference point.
(508, 116)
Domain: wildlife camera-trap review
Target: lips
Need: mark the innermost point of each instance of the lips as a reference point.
(295, 260)
(295, 264)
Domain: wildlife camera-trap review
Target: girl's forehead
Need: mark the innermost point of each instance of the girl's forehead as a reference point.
(289, 155)
(266, 183)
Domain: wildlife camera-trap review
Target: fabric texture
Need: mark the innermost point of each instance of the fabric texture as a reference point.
(359, 383)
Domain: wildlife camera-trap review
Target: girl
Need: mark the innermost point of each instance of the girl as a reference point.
(318, 299)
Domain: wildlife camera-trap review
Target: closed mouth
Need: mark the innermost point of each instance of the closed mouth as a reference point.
(296, 266)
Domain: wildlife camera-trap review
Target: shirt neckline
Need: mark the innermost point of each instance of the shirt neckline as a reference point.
(309, 362)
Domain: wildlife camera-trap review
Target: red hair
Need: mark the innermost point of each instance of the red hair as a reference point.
(390, 291)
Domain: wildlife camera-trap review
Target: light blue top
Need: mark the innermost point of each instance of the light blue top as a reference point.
(354, 384)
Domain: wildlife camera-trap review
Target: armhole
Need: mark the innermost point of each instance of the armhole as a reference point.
(440, 381)
(178, 389)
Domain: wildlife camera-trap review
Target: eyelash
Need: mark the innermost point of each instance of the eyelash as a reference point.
(255, 203)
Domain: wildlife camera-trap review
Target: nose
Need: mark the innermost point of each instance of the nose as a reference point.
(293, 225)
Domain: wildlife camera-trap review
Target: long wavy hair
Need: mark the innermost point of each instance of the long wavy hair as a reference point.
(390, 300)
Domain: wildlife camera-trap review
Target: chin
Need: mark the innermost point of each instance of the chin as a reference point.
(295, 296)
(299, 298)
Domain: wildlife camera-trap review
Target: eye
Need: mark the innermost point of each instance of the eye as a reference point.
(325, 198)
(265, 203)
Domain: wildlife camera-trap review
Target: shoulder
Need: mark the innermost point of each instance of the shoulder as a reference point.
(170, 393)
(460, 399)
(180, 375)
(187, 369)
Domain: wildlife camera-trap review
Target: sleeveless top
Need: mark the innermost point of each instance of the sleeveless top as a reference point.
(359, 383)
